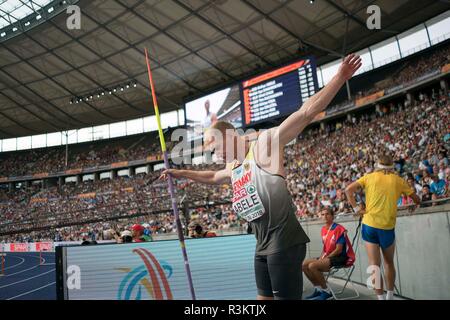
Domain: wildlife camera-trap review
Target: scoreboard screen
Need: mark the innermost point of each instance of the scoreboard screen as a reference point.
(279, 92)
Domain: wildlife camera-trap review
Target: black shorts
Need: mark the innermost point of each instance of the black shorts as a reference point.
(279, 275)
(337, 261)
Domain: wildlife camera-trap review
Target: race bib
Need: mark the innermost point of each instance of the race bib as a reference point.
(246, 201)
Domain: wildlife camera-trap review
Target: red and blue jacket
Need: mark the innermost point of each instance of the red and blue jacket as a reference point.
(333, 236)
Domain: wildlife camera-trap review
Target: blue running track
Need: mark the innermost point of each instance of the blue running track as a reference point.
(25, 279)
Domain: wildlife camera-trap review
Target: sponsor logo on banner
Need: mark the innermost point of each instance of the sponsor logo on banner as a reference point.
(19, 247)
(44, 246)
(119, 164)
(369, 98)
(319, 117)
(40, 175)
(340, 107)
(86, 195)
(154, 158)
(425, 76)
(148, 281)
(104, 167)
(396, 88)
(136, 162)
(73, 171)
(446, 68)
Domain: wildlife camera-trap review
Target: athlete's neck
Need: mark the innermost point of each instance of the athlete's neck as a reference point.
(241, 143)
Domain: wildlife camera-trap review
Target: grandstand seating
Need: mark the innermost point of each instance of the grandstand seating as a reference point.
(320, 165)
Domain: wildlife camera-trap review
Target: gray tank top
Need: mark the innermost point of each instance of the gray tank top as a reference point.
(263, 199)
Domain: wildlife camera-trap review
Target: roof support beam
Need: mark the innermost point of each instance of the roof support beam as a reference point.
(230, 36)
(160, 65)
(48, 78)
(15, 121)
(23, 107)
(51, 78)
(356, 19)
(180, 43)
(38, 95)
(292, 34)
(386, 28)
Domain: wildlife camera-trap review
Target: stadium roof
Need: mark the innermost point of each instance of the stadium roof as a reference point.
(13, 11)
(194, 46)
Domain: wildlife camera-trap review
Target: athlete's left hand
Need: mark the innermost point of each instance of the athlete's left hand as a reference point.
(361, 212)
(349, 66)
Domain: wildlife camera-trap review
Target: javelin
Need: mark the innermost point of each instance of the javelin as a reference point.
(171, 189)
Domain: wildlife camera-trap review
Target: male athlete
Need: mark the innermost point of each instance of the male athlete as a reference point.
(382, 188)
(260, 194)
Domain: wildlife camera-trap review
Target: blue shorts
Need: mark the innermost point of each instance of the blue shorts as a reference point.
(384, 238)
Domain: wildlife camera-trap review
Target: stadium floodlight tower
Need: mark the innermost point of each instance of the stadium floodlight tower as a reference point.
(66, 133)
(66, 158)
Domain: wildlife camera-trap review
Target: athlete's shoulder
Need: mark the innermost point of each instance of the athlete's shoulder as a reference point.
(394, 176)
(364, 178)
(231, 165)
(379, 173)
(262, 134)
(372, 174)
(339, 227)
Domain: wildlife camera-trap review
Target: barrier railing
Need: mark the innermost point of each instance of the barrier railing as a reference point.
(223, 267)
(240, 230)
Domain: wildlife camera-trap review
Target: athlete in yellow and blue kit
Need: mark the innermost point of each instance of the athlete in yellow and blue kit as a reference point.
(382, 188)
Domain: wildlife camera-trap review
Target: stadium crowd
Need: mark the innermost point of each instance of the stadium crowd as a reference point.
(410, 71)
(97, 153)
(321, 163)
(319, 166)
(86, 155)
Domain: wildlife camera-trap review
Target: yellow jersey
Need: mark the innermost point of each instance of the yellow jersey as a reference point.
(382, 193)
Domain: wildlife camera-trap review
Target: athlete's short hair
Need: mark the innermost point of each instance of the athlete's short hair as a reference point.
(222, 126)
(385, 159)
(329, 210)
